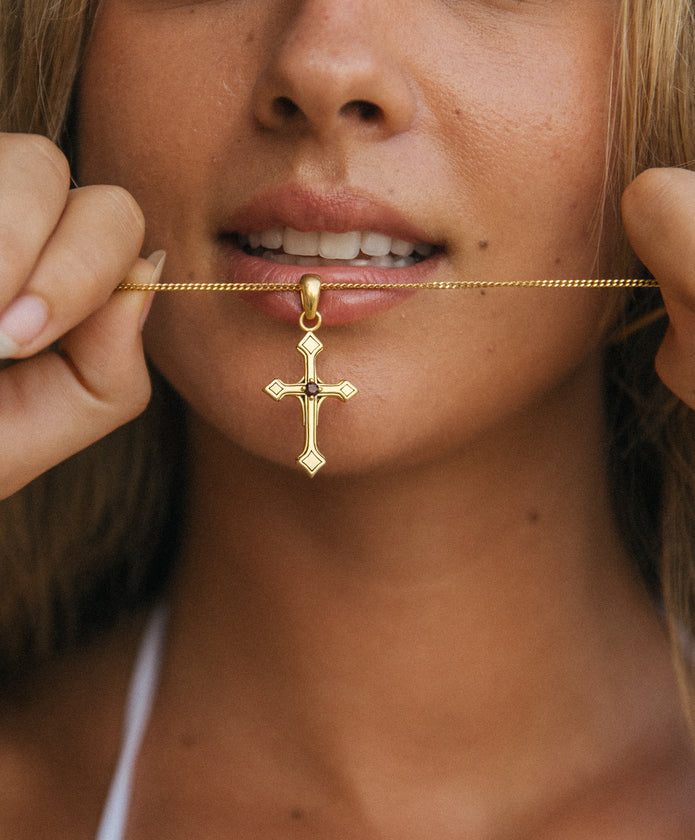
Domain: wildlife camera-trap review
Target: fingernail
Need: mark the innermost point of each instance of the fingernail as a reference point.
(157, 258)
(21, 323)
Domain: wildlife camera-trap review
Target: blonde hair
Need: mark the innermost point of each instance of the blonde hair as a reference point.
(652, 443)
(40, 50)
(653, 433)
(656, 105)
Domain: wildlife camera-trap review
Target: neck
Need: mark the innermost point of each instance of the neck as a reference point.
(408, 619)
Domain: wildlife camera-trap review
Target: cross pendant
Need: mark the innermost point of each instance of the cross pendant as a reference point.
(311, 392)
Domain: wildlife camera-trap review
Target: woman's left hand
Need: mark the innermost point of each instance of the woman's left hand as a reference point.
(659, 216)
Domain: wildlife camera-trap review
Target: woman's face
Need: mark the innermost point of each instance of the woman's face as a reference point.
(474, 129)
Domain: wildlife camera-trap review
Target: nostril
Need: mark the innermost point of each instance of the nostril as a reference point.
(363, 110)
(284, 107)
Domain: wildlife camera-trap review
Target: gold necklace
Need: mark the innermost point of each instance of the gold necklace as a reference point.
(311, 391)
(583, 283)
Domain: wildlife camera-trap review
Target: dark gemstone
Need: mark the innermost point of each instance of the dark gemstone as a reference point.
(311, 389)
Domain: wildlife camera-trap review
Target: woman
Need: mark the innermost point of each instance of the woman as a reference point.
(444, 633)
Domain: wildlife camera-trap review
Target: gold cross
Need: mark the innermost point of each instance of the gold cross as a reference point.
(310, 391)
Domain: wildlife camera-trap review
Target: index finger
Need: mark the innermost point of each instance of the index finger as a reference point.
(659, 217)
(34, 185)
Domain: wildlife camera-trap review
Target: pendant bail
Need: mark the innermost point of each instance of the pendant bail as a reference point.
(310, 290)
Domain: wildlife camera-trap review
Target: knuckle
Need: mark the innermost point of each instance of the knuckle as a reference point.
(653, 185)
(126, 212)
(42, 152)
(140, 390)
(35, 184)
(100, 410)
(103, 233)
(125, 394)
(135, 397)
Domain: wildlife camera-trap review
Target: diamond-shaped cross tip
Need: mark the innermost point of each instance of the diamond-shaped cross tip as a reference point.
(310, 343)
(275, 389)
(347, 389)
(312, 462)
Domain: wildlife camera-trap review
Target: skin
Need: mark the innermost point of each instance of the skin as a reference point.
(441, 635)
(230, 82)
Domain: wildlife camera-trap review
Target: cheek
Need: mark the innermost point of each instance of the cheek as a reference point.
(528, 139)
(152, 101)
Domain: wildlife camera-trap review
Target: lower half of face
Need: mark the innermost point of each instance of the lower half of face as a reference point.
(441, 148)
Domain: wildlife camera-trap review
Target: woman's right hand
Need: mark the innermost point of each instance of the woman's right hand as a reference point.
(62, 253)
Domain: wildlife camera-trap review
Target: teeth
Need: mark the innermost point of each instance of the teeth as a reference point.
(271, 239)
(384, 261)
(339, 246)
(401, 247)
(376, 244)
(299, 243)
(388, 261)
(357, 248)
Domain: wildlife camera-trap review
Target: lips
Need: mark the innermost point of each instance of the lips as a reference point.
(352, 237)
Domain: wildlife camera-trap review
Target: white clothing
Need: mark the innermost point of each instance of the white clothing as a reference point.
(141, 693)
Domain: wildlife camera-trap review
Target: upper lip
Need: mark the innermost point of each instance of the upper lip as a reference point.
(334, 210)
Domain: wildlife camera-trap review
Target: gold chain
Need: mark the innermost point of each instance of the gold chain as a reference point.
(586, 283)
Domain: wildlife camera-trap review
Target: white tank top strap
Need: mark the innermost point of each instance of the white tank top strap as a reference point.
(141, 694)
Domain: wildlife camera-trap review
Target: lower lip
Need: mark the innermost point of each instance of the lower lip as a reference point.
(336, 307)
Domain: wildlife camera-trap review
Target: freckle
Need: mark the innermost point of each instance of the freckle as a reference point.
(457, 112)
(251, 37)
(533, 516)
(482, 292)
(297, 814)
(191, 276)
(482, 244)
(558, 260)
(187, 740)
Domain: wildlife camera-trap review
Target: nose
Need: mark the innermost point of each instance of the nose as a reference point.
(332, 71)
